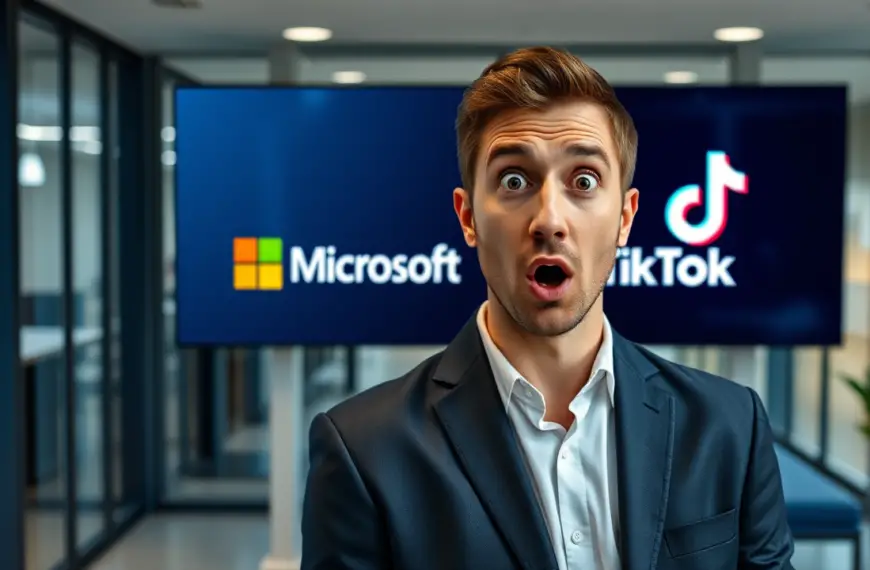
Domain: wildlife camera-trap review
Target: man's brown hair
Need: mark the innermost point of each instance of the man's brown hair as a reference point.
(535, 78)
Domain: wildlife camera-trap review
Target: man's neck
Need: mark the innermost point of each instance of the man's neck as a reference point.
(558, 366)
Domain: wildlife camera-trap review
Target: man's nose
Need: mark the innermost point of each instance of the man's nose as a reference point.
(549, 221)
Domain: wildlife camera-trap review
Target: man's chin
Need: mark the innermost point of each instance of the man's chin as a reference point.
(553, 318)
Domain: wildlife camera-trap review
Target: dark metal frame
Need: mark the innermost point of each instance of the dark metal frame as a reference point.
(69, 393)
(107, 229)
(824, 406)
(12, 434)
(147, 231)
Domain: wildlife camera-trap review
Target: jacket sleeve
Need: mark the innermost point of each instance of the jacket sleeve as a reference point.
(766, 542)
(341, 529)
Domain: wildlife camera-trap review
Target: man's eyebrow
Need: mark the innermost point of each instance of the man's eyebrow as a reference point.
(588, 150)
(584, 150)
(503, 150)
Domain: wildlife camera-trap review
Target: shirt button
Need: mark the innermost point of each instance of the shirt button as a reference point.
(564, 455)
(576, 537)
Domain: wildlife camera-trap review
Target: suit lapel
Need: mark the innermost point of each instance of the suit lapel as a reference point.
(644, 450)
(479, 430)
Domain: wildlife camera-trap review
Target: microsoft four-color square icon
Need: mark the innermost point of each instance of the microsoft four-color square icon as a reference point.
(258, 263)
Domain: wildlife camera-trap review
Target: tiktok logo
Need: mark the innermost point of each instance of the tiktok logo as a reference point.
(721, 177)
(673, 266)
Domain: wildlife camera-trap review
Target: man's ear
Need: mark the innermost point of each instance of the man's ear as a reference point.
(629, 210)
(464, 212)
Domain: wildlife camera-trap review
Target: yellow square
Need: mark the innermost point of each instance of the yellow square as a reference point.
(245, 276)
(271, 276)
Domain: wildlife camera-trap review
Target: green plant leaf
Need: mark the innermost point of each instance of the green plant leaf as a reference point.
(861, 389)
(866, 429)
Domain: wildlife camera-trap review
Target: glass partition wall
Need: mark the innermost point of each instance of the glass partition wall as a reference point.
(78, 496)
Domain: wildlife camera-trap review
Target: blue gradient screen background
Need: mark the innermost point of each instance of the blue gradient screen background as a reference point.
(371, 170)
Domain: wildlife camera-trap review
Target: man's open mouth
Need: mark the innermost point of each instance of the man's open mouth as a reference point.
(550, 275)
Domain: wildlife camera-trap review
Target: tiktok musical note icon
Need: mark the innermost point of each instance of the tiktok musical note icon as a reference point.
(721, 177)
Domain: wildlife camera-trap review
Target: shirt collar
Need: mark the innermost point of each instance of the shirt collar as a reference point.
(506, 375)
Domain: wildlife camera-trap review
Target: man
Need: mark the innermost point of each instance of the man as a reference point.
(540, 438)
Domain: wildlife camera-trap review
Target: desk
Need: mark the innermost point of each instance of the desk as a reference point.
(40, 349)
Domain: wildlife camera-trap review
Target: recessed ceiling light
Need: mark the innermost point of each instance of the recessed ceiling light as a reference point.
(738, 34)
(681, 77)
(307, 34)
(348, 77)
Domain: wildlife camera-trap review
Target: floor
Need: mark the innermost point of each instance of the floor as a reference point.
(46, 542)
(193, 542)
(188, 542)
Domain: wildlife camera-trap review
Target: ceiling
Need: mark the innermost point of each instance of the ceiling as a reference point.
(224, 27)
(254, 25)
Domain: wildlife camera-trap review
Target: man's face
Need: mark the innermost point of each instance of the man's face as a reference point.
(547, 192)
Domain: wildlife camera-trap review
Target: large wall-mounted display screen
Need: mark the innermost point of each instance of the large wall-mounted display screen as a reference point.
(324, 215)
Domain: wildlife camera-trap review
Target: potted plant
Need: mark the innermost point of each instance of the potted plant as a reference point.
(861, 387)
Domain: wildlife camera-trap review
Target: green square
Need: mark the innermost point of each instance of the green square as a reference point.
(270, 250)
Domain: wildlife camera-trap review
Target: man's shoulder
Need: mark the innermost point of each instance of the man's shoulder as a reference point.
(720, 395)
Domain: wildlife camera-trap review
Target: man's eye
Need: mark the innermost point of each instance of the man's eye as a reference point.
(514, 182)
(585, 182)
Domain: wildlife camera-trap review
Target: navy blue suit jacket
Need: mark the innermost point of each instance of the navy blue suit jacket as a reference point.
(424, 473)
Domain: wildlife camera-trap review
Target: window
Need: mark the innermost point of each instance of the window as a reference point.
(87, 253)
(42, 293)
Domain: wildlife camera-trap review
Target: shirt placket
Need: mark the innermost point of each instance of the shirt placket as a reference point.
(572, 493)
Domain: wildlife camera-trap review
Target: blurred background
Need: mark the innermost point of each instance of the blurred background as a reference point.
(138, 454)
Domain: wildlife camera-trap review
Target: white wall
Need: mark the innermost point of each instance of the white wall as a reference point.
(440, 70)
(454, 70)
(237, 70)
(405, 70)
(851, 71)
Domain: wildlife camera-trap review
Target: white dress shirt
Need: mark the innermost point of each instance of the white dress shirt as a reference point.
(573, 471)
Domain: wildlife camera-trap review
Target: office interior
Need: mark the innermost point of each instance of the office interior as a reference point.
(113, 436)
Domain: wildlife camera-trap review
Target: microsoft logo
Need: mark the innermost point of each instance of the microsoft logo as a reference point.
(257, 263)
